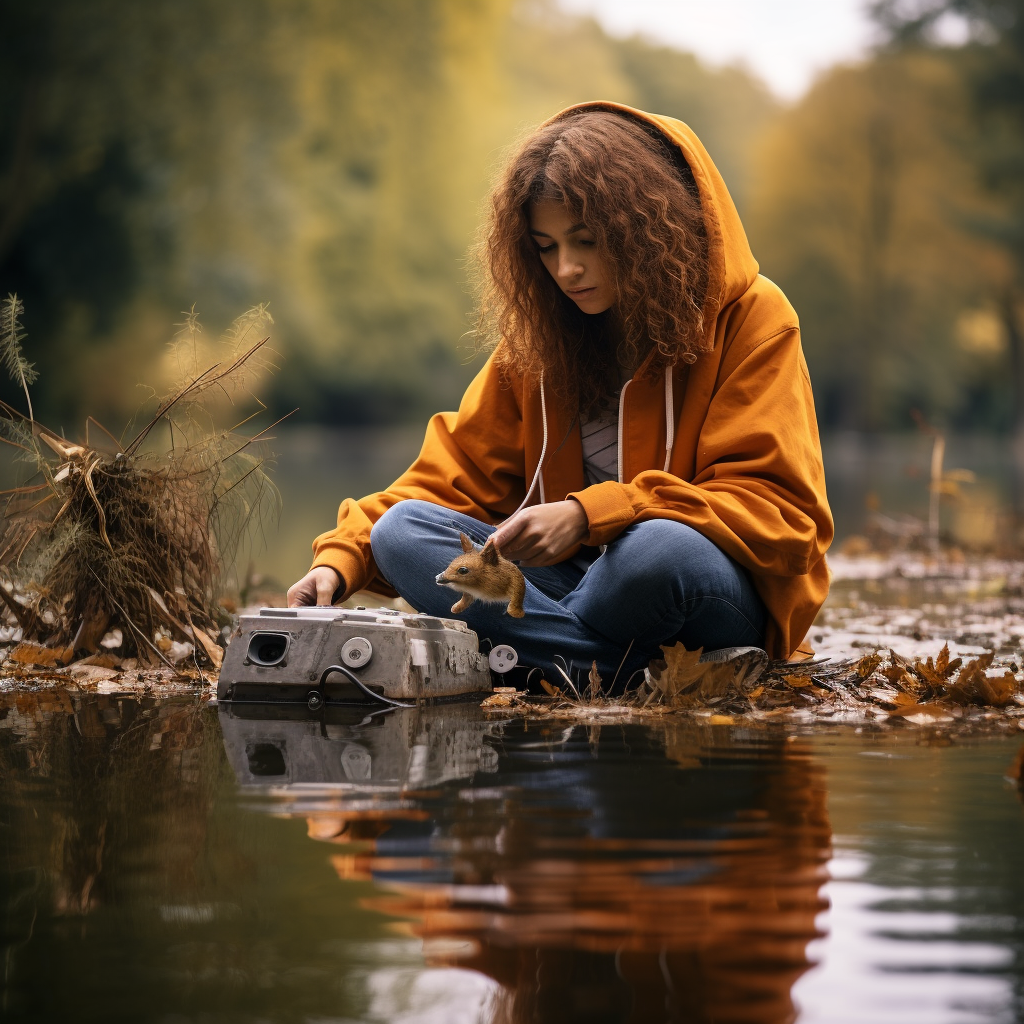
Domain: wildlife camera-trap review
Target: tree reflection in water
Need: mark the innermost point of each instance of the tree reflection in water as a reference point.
(86, 777)
(627, 873)
(614, 873)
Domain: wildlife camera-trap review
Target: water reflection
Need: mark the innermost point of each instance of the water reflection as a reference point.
(99, 753)
(156, 864)
(619, 873)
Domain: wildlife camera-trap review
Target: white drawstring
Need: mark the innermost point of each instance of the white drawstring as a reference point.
(670, 421)
(543, 450)
(622, 404)
(670, 433)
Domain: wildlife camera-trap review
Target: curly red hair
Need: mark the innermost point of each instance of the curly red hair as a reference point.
(635, 193)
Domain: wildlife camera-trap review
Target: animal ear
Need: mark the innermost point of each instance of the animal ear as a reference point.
(490, 553)
(467, 544)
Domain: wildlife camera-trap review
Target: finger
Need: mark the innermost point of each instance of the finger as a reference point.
(523, 545)
(506, 533)
(324, 591)
(296, 595)
(528, 550)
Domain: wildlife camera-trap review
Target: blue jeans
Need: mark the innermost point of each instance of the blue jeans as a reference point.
(658, 582)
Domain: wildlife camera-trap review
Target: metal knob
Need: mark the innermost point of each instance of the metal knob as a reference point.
(357, 652)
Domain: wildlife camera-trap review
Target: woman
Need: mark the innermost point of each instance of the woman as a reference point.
(642, 440)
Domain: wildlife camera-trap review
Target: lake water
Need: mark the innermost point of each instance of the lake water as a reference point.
(177, 862)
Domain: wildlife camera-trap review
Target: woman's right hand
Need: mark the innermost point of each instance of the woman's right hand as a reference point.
(318, 586)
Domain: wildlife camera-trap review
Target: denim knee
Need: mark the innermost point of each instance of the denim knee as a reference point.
(391, 532)
(662, 546)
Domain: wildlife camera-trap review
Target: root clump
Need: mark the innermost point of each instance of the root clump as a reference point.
(113, 549)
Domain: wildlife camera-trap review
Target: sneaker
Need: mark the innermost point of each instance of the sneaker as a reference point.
(728, 653)
(743, 666)
(749, 662)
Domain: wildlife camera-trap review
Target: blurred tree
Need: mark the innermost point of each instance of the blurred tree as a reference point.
(106, 109)
(993, 62)
(860, 210)
(329, 156)
(727, 108)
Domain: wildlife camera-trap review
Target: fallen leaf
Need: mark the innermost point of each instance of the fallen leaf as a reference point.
(212, 649)
(929, 718)
(682, 670)
(903, 699)
(798, 681)
(936, 673)
(551, 691)
(867, 665)
(104, 660)
(721, 720)
(28, 653)
(502, 699)
(975, 686)
(594, 690)
(932, 711)
(91, 673)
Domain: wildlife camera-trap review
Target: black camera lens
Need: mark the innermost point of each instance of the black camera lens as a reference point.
(268, 649)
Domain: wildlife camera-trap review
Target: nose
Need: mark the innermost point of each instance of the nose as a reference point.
(439, 579)
(568, 266)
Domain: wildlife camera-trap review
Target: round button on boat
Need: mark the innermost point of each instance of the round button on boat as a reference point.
(502, 659)
(357, 652)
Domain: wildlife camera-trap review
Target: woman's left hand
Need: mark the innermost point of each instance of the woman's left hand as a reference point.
(542, 534)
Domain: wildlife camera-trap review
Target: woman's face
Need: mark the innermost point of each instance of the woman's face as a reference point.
(568, 251)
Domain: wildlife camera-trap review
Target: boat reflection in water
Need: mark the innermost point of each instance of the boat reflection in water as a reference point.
(617, 873)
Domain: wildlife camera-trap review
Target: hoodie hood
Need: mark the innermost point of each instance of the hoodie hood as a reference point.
(732, 268)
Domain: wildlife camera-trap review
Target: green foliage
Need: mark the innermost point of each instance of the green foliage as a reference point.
(330, 154)
(334, 155)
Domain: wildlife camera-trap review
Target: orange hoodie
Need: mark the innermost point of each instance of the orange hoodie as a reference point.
(728, 445)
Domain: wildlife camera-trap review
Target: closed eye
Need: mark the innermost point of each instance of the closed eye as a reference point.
(546, 248)
(463, 569)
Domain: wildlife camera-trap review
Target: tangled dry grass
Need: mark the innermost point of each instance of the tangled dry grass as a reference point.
(121, 541)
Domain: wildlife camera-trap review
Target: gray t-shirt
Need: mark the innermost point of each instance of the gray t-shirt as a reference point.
(600, 434)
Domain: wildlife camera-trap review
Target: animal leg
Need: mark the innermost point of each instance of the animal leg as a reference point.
(515, 606)
(463, 603)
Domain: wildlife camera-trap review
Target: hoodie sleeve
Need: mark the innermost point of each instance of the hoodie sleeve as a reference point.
(759, 490)
(471, 462)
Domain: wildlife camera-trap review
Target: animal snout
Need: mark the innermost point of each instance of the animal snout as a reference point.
(440, 580)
